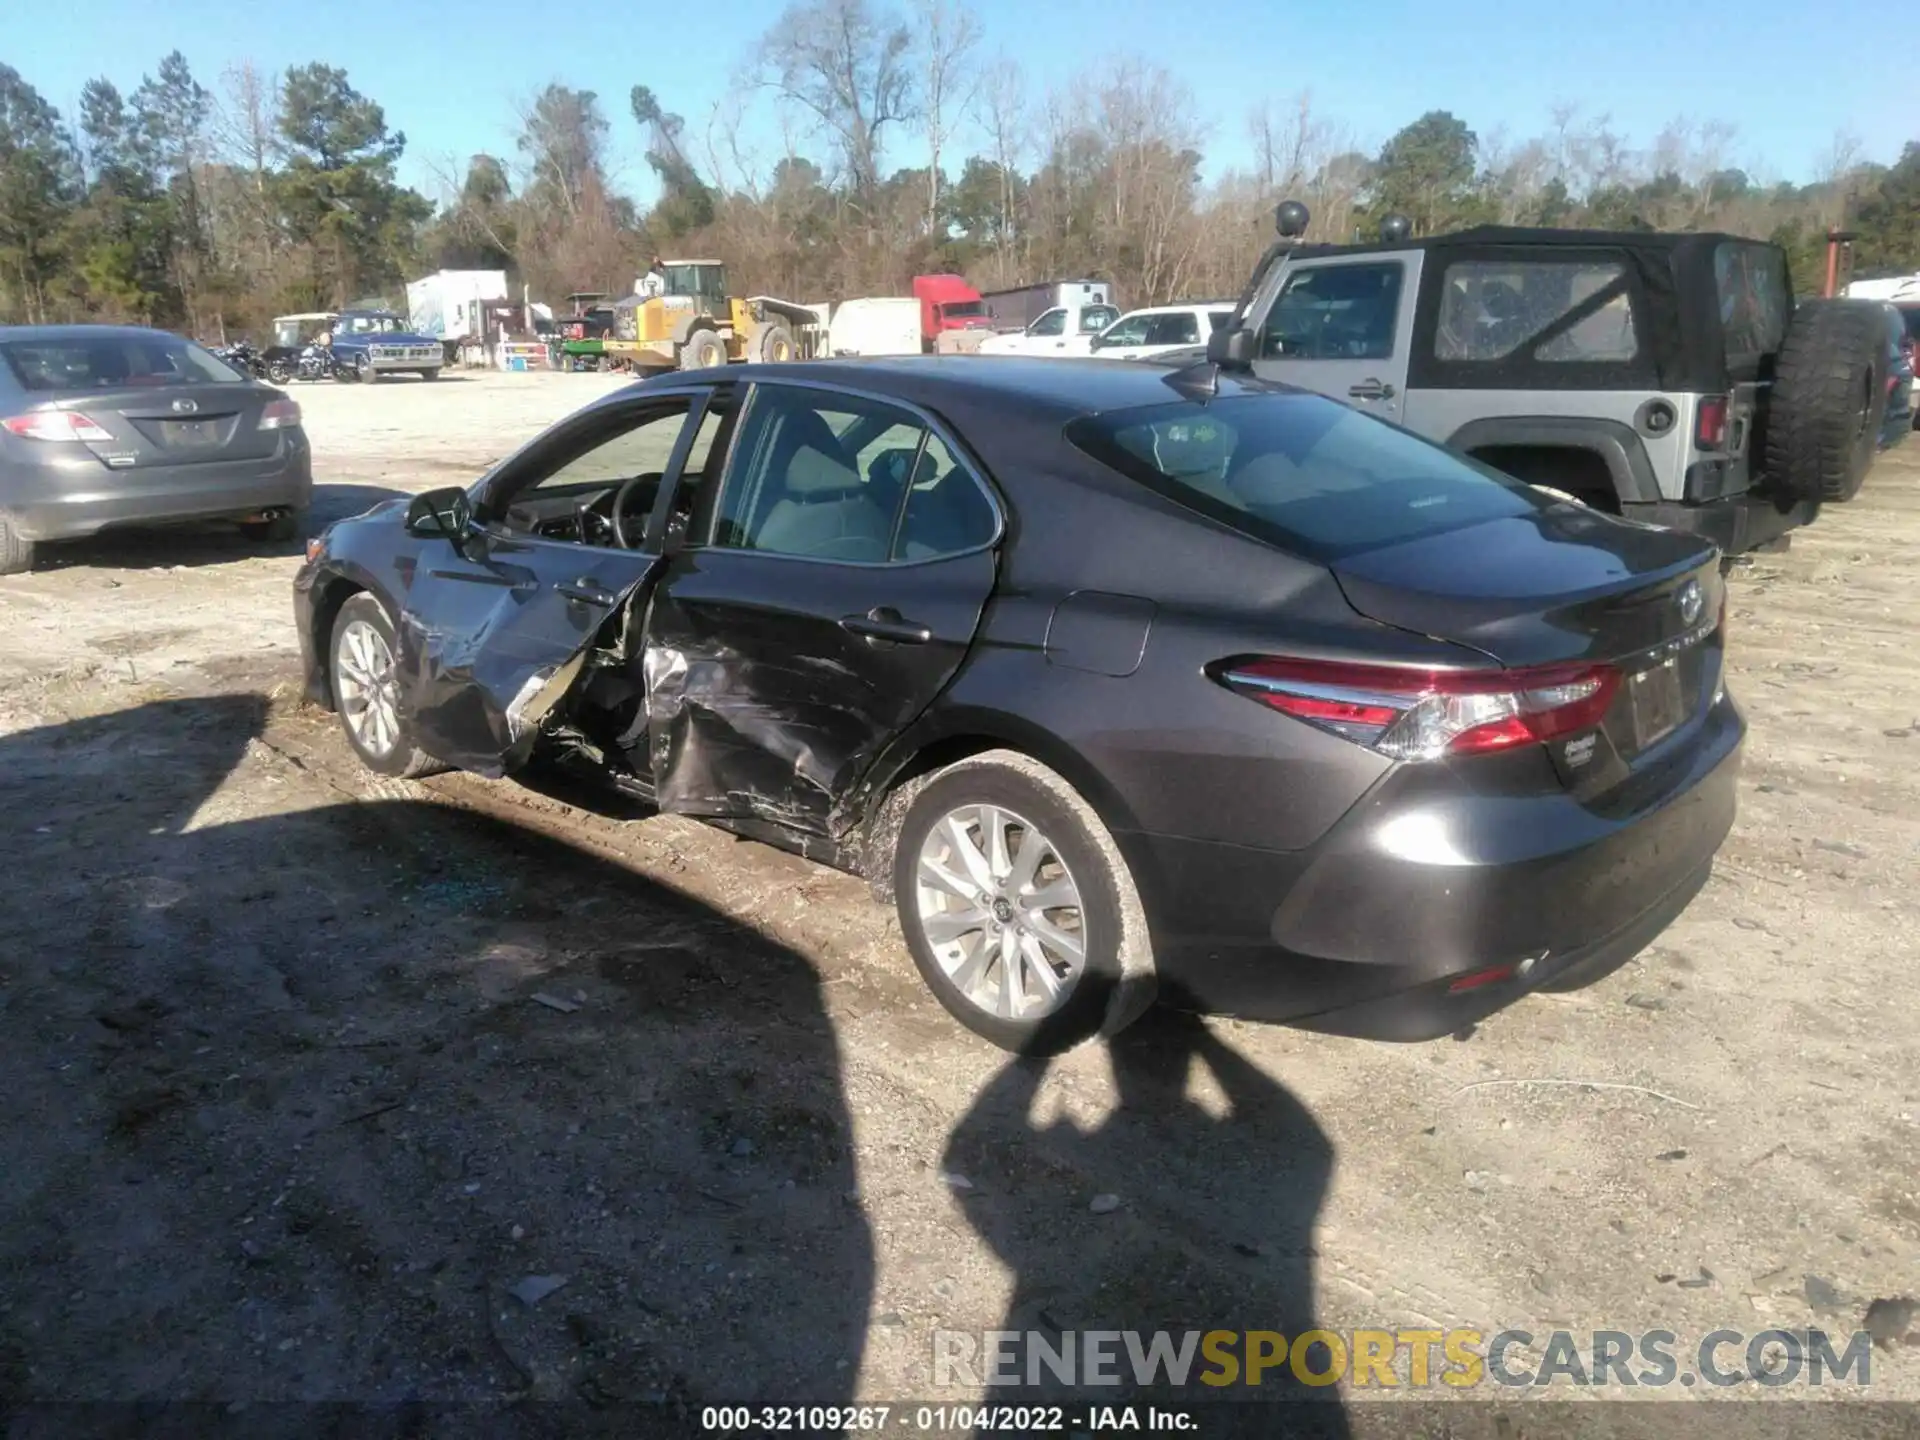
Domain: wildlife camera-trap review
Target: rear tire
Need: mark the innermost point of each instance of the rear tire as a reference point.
(362, 675)
(1001, 867)
(16, 552)
(1828, 401)
(771, 343)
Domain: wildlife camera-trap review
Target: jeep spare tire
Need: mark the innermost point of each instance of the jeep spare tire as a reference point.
(1829, 397)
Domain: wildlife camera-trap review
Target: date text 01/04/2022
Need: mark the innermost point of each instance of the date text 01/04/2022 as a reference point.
(938, 1419)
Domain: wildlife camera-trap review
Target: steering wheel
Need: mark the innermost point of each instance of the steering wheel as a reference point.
(619, 511)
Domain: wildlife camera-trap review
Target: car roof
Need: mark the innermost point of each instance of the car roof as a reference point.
(1485, 236)
(80, 332)
(1180, 309)
(1067, 387)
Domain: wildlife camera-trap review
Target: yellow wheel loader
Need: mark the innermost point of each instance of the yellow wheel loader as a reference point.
(690, 322)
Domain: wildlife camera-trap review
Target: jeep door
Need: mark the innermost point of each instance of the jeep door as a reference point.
(1342, 326)
(829, 589)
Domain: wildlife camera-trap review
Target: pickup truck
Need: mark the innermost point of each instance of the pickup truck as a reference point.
(1063, 330)
(368, 344)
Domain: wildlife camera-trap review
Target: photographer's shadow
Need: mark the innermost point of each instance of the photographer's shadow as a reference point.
(1175, 1214)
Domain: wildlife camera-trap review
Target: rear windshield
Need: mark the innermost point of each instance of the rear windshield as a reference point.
(1301, 472)
(105, 362)
(1755, 300)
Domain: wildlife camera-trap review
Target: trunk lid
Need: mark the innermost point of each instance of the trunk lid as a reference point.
(1565, 585)
(160, 425)
(1557, 585)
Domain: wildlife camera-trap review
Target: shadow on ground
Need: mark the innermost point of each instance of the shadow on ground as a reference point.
(389, 1102)
(209, 543)
(288, 1122)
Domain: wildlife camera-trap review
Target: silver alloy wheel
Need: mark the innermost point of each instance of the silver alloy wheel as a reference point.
(366, 687)
(1000, 912)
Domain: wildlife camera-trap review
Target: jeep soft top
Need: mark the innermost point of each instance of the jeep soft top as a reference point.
(1667, 378)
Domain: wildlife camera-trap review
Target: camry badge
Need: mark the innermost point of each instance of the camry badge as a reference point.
(1691, 602)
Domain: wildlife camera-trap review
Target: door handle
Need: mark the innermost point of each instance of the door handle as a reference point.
(1371, 389)
(883, 622)
(589, 591)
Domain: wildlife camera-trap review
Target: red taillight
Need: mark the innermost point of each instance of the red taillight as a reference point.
(279, 415)
(1710, 422)
(55, 425)
(1412, 714)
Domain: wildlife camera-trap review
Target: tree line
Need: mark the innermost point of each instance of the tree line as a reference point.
(210, 209)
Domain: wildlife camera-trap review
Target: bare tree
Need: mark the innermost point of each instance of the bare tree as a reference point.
(847, 65)
(1003, 107)
(948, 35)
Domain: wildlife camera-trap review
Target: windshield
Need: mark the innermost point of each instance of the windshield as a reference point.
(963, 307)
(1301, 472)
(371, 324)
(103, 362)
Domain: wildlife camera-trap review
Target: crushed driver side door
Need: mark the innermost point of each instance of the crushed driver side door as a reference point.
(494, 632)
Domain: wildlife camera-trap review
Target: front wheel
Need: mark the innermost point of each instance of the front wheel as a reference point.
(365, 372)
(366, 691)
(1018, 907)
(279, 372)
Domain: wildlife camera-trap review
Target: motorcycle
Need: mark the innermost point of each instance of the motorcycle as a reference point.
(315, 363)
(244, 358)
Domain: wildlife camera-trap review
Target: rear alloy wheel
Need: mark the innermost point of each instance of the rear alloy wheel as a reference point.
(1018, 908)
(366, 691)
(16, 552)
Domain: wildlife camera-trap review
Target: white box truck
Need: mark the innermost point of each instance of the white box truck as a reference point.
(448, 305)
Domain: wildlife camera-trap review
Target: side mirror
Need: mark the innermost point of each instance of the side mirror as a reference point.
(1235, 349)
(447, 513)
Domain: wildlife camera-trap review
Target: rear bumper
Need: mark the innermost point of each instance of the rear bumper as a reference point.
(1429, 880)
(1736, 524)
(77, 496)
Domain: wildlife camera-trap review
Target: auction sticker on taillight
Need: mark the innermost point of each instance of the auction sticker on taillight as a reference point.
(1656, 701)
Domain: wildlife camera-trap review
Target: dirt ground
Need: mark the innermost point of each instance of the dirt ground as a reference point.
(288, 1122)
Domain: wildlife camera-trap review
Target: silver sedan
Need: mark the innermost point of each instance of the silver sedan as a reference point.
(105, 426)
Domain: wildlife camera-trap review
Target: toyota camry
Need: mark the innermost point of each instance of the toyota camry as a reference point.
(1117, 683)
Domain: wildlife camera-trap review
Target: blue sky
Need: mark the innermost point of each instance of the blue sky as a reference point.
(450, 75)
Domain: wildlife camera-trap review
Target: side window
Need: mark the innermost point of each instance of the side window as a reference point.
(1174, 330)
(1335, 312)
(1096, 318)
(1130, 331)
(817, 475)
(1492, 309)
(1054, 322)
(640, 448)
(945, 514)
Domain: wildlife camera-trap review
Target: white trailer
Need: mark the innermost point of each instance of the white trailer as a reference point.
(880, 325)
(449, 304)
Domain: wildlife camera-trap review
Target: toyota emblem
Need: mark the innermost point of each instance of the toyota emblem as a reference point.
(184, 407)
(1691, 602)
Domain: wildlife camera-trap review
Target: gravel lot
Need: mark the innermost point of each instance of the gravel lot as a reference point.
(287, 1121)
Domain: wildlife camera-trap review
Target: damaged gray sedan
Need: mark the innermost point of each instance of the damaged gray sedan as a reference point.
(1118, 684)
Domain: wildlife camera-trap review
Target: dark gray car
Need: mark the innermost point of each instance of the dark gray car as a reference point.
(104, 426)
(1114, 681)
